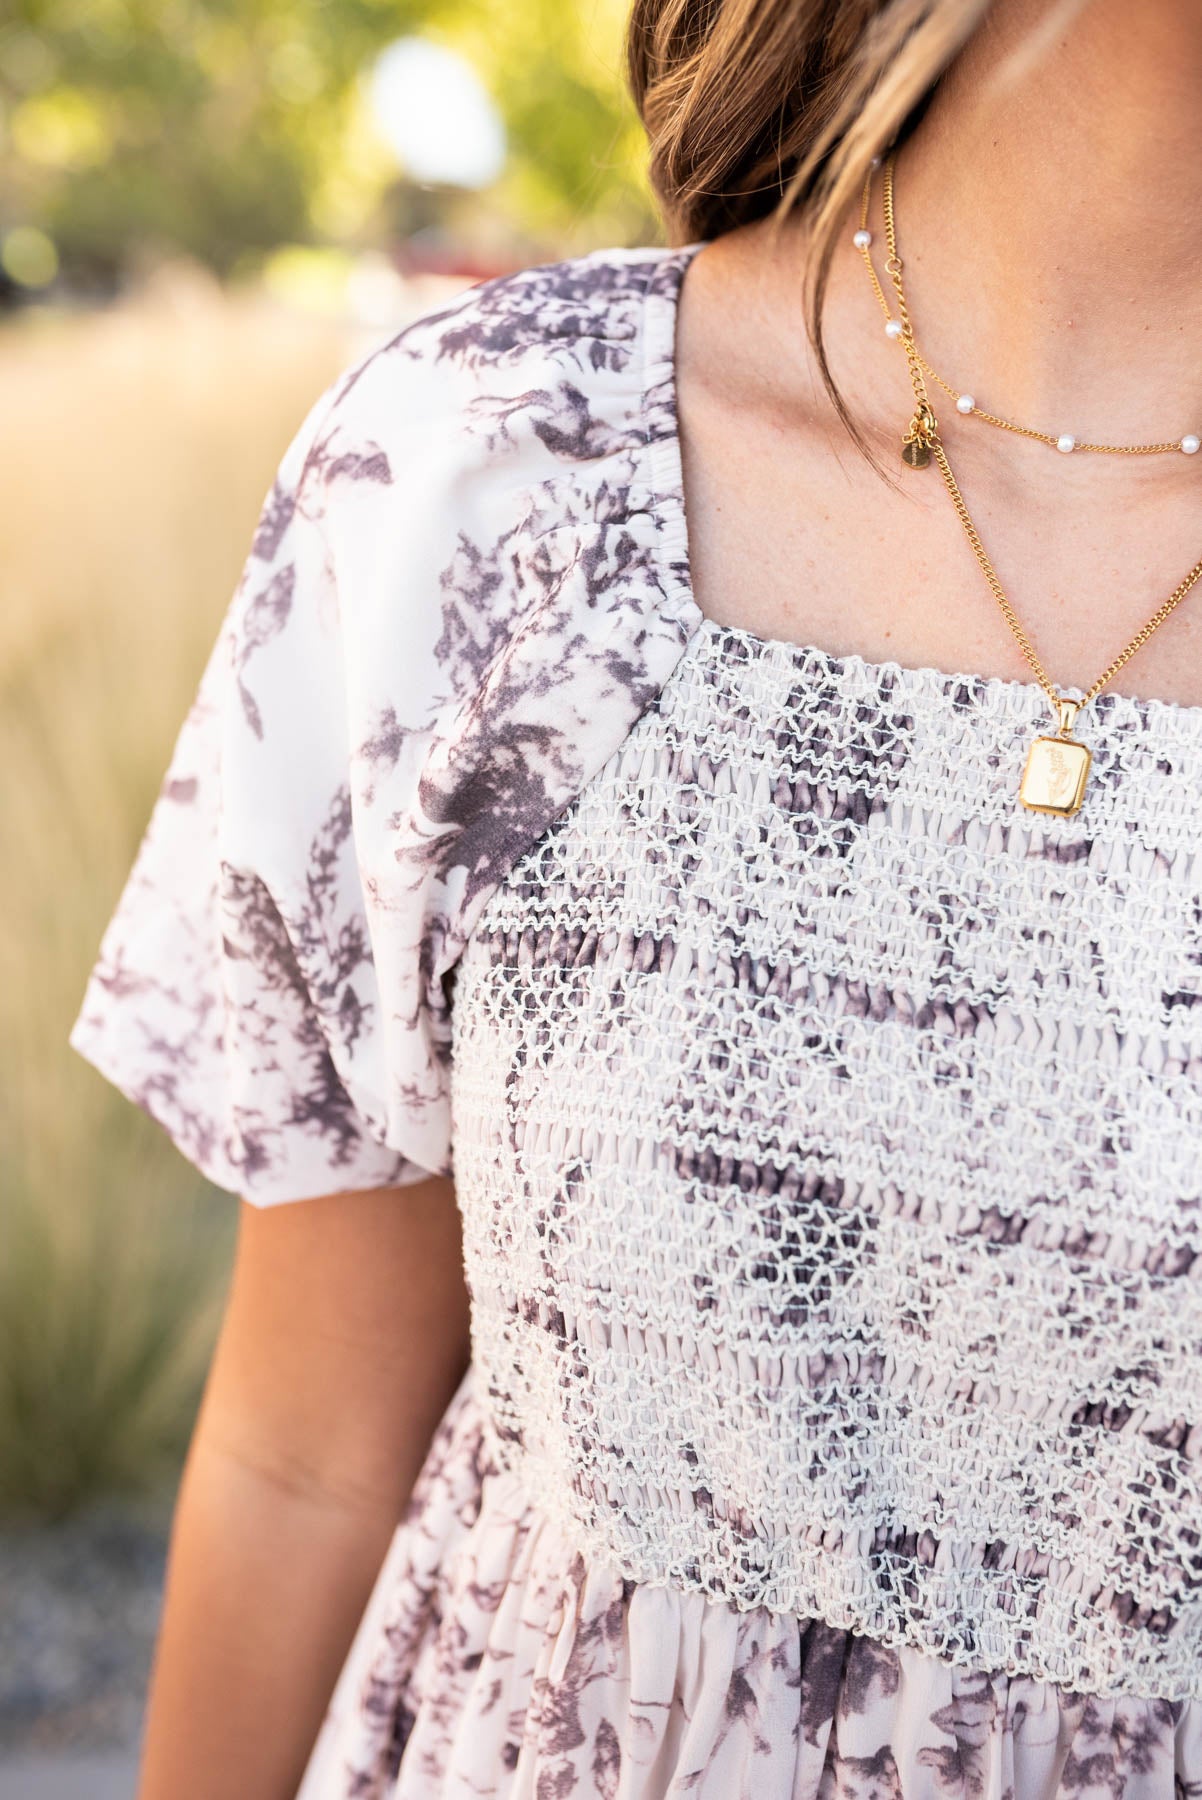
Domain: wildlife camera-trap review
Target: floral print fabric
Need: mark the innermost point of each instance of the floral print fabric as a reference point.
(494, 1664)
(451, 613)
(833, 1249)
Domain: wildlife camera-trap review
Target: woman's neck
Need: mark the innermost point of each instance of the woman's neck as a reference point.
(1050, 229)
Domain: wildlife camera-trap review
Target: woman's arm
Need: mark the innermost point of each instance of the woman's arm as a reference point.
(344, 1337)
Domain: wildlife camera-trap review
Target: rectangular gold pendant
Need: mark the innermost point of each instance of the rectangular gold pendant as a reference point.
(1054, 778)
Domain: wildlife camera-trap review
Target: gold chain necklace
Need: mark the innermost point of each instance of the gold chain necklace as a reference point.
(1057, 767)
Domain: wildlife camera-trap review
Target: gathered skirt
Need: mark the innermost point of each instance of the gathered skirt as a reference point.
(493, 1663)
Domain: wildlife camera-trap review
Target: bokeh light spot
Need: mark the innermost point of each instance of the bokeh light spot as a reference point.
(436, 115)
(28, 257)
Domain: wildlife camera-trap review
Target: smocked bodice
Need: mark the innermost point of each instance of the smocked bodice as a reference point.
(826, 1130)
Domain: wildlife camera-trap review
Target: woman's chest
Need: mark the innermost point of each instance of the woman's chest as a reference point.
(775, 988)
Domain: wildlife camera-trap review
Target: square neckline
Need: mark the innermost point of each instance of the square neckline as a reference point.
(665, 461)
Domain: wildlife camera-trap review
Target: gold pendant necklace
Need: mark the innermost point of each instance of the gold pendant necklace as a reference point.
(1057, 767)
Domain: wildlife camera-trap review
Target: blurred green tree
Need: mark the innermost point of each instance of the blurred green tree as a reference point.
(576, 165)
(134, 128)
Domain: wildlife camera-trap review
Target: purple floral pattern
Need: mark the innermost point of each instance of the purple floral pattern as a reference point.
(406, 688)
(494, 1663)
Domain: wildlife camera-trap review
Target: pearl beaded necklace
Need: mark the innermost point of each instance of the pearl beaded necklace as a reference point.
(1064, 441)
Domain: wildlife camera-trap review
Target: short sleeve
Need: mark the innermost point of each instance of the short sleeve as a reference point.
(236, 994)
(466, 585)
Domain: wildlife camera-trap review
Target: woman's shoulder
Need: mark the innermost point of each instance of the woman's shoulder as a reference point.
(551, 363)
(596, 296)
(502, 459)
(588, 310)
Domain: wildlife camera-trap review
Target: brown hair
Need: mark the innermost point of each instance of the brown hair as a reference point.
(754, 107)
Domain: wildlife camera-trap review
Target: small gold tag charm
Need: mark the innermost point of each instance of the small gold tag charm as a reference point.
(1054, 778)
(916, 445)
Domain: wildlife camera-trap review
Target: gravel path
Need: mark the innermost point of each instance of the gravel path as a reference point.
(78, 1617)
(108, 1775)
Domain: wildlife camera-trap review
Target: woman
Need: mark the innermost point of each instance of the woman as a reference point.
(814, 1060)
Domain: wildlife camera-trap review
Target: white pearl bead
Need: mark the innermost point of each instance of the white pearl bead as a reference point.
(876, 162)
(965, 403)
(862, 239)
(1190, 444)
(1066, 442)
(894, 328)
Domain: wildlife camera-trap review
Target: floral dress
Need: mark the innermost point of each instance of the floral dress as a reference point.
(824, 1125)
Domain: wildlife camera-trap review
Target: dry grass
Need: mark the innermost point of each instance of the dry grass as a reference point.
(137, 447)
